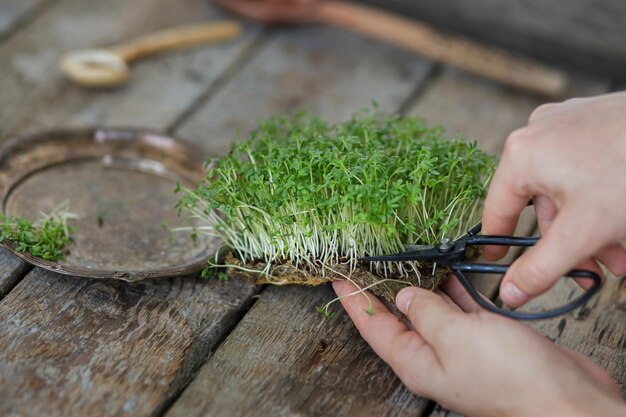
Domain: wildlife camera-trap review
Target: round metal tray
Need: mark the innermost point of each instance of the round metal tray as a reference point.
(120, 184)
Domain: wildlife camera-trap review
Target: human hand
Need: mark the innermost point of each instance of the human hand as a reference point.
(478, 363)
(571, 158)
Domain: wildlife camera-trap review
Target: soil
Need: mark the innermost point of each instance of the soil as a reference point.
(288, 274)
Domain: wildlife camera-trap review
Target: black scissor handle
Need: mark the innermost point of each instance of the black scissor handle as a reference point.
(501, 240)
(460, 269)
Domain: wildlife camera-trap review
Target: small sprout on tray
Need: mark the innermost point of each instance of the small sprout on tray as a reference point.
(45, 238)
(100, 218)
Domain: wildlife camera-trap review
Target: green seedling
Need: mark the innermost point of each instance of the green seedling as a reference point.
(100, 218)
(45, 238)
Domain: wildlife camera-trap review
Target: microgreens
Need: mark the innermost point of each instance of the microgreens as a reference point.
(313, 195)
(46, 238)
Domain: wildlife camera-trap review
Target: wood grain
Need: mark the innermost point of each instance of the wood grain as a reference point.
(598, 329)
(285, 359)
(483, 111)
(12, 269)
(14, 13)
(36, 95)
(326, 71)
(75, 346)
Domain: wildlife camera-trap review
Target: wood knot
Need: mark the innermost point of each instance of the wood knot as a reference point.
(112, 298)
(319, 353)
(582, 313)
(102, 298)
(323, 344)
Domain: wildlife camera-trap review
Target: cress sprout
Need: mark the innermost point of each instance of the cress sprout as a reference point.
(302, 192)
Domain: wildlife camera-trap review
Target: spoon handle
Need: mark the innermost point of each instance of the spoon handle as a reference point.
(178, 37)
(487, 61)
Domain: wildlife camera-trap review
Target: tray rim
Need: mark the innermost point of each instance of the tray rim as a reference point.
(196, 166)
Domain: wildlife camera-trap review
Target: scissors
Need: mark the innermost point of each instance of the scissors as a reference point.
(453, 253)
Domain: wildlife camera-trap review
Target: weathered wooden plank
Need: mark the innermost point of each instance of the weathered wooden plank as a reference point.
(12, 269)
(14, 13)
(438, 411)
(36, 94)
(285, 359)
(483, 110)
(87, 347)
(325, 71)
(588, 34)
(597, 330)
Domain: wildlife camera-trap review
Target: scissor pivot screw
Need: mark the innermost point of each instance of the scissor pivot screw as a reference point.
(445, 245)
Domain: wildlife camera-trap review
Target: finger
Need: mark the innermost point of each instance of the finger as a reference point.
(588, 264)
(542, 112)
(505, 199)
(447, 299)
(562, 247)
(545, 210)
(374, 321)
(459, 295)
(431, 316)
(408, 354)
(614, 258)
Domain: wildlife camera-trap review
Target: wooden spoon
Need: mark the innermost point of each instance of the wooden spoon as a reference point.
(487, 61)
(109, 67)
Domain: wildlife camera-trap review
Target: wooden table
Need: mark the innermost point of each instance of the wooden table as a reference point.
(188, 346)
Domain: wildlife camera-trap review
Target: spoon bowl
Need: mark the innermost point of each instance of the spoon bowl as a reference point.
(95, 67)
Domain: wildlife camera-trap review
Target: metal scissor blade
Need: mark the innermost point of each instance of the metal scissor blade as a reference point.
(413, 248)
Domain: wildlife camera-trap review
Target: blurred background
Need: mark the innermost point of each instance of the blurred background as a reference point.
(586, 34)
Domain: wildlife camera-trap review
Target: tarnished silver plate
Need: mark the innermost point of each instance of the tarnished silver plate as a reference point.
(120, 185)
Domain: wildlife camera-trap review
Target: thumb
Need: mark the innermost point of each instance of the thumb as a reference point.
(566, 244)
(429, 314)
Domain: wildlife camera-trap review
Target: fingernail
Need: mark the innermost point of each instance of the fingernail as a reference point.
(404, 298)
(513, 296)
